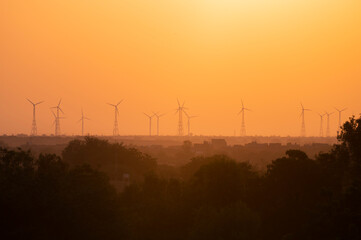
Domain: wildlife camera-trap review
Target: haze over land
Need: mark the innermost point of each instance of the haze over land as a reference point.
(212, 54)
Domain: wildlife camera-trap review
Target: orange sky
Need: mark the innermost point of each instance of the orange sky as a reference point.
(270, 53)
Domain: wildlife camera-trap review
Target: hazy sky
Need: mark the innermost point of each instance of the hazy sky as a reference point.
(273, 54)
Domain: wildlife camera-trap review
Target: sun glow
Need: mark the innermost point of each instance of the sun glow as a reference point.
(209, 53)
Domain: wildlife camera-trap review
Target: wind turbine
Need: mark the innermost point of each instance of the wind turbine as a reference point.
(328, 123)
(339, 115)
(57, 122)
(82, 122)
(321, 123)
(116, 113)
(150, 123)
(189, 122)
(158, 116)
(303, 127)
(34, 129)
(180, 111)
(243, 127)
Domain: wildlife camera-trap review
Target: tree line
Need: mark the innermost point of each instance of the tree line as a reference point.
(72, 197)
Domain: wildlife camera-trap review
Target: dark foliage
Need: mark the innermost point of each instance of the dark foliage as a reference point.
(209, 198)
(114, 159)
(44, 199)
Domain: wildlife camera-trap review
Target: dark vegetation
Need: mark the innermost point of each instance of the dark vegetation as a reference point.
(213, 197)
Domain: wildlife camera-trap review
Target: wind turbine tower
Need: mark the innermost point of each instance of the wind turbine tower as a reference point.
(82, 122)
(158, 117)
(57, 118)
(321, 124)
(189, 122)
(303, 127)
(116, 113)
(150, 123)
(328, 124)
(243, 126)
(339, 116)
(34, 129)
(180, 111)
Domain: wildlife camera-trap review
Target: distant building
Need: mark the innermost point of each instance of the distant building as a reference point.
(219, 143)
(256, 146)
(275, 145)
(201, 148)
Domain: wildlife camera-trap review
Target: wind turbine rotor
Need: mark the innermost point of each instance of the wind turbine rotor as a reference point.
(30, 101)
(120, 102)
(147, 115)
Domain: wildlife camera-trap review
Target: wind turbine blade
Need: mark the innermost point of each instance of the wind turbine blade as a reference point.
(247, 109)
(111, 104)
(61, 110)
(87, 118)
(146, 115)
(53, 114)
(30, 101)
(178, 102)
(337, 109)
(59, 102)
(120, 102)
(302, 105)
(344, 109)
(242, 103)
(186, 113)
(39, 103)
(183, 104)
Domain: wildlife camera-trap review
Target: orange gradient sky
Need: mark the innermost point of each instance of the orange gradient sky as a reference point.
(273, 54)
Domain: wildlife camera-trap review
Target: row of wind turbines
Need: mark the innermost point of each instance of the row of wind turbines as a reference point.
(180, 111)
(327, 114)
(57, 116)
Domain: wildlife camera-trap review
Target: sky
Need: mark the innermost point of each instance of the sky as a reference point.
(272, 54)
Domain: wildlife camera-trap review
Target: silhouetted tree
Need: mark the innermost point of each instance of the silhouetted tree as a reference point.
(291, 193)
(114, 159)
(155, 209)
(221, 182)
(44, 199)
(235, 221)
